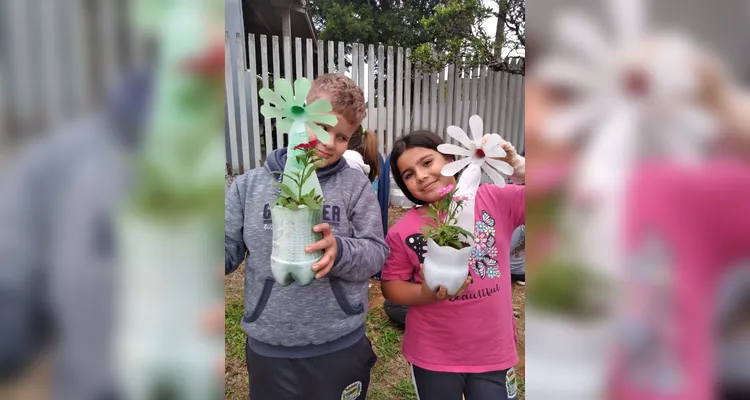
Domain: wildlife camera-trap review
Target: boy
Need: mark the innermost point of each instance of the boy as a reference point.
(308, 342)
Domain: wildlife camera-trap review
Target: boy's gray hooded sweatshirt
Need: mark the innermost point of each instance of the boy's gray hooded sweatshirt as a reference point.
(329, 314)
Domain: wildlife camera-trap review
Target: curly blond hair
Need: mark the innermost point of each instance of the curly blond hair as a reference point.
(345, 96)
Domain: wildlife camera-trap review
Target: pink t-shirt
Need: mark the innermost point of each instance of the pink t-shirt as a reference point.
(474, 332)
(686, 230)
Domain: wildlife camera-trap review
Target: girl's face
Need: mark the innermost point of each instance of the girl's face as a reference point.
(420, 169)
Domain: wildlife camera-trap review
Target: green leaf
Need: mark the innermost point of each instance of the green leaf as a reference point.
(308, 174)
(464, 232)
(311, 202)
(285, 189)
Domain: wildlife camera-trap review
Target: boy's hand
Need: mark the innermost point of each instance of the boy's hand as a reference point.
(442, 292)
(328, 244)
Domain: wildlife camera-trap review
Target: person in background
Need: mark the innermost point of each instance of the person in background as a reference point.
(518, 256)
(362, 153)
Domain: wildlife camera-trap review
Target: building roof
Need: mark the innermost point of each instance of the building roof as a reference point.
(264, 17)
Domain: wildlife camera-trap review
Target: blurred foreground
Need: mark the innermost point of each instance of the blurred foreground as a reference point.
(639, 178)
(111, 199)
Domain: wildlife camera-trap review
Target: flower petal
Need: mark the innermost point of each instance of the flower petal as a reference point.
(501, 166)
(301, 89)
(459, 134)
(284, 126)
(284, 89)
(495, 152)
(569, 123)
(492, 142)
(272, 97)
(273, 112)
(446, 148)
(319, 106)
(319, 132)
(494, 175)
(453, 168)
(477, 128)
(630, 17)
(327, 119)
(578, 33)
(565, 73)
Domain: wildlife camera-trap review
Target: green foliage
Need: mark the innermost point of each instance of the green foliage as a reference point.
(292, 199)
(566, 288)
(444, 215)
(439, 32)
(457, 37)
(392, 23)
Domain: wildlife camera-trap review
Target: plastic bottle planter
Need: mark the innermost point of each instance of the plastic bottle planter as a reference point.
(446, 266)
(160, 262)
(292, 232)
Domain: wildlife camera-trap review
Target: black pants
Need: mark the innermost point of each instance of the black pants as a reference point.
(396, 312)
(343, 375)
(494, 385)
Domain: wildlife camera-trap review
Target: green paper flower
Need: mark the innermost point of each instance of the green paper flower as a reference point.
(291, 106)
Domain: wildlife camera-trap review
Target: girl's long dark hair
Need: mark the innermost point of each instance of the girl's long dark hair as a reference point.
(420, 138)
(366, 143)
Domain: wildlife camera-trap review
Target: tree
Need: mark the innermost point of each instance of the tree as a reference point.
(390, 22)
(456, 37)
(510, 34)
(440, 32)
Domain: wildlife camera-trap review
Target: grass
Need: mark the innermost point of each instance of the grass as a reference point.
(391, 377)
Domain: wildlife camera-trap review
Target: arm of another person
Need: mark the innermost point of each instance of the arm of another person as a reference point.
(361, 256)
(234, 220)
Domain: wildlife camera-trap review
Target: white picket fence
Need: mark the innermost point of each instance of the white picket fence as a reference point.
(411, 100)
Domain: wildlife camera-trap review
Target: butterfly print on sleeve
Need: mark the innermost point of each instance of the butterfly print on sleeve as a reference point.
(487, 219)
(482, 254)
(418, 244)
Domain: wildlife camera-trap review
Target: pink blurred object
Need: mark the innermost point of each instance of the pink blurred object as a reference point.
(686, 228)
(548, 177)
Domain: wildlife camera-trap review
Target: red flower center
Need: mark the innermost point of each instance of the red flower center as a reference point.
(636, 83)
(480, 153)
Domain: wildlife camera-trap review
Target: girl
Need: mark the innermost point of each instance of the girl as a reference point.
(466, 344)
(362, 153)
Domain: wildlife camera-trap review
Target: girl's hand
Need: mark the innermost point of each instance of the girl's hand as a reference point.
(442, 292)
(512, 158)
(328, 244)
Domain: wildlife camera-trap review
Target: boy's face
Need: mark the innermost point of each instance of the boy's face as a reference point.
(339, 139)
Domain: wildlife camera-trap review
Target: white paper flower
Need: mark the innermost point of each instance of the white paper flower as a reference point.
(481, 155)
(639, 86)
